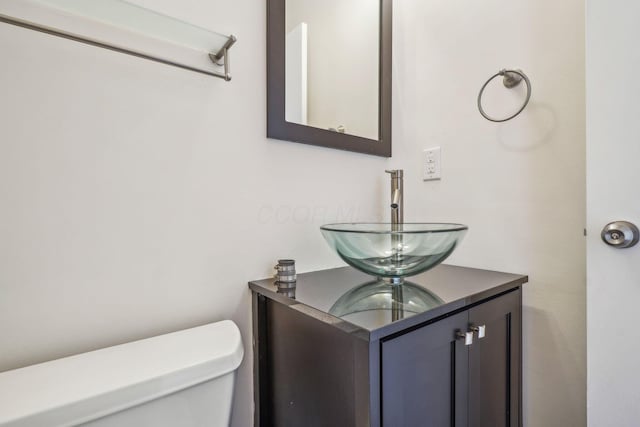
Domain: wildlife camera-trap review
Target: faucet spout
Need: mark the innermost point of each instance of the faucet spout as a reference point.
(395, 199)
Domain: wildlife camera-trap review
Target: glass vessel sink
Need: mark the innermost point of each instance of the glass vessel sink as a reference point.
(391, 252)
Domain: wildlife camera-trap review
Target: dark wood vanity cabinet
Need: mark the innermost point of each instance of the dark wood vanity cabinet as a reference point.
(314, 369)
(430, 377)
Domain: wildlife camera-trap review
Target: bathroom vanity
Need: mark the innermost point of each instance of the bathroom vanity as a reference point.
(457, 363)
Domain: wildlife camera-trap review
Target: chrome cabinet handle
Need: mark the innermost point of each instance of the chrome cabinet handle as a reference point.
(620, 234)
(481, 330)
(466, 336)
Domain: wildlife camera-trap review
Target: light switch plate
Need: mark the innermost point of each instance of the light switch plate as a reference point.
(431, 164)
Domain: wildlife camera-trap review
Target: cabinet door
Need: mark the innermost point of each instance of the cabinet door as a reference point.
(494, 363)
(424, 376)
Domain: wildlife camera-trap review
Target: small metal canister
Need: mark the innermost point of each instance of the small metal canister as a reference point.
(286, 274)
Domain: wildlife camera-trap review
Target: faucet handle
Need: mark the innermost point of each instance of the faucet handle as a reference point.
(395, 172)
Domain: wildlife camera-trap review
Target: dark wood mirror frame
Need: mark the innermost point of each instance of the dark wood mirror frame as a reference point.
(279, 128)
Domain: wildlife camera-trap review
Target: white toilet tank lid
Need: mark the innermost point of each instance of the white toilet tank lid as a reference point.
(80, 388)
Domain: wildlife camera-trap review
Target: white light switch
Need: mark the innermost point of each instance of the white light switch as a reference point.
(431, 167)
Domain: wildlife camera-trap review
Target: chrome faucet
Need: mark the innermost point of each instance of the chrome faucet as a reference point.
(397, 201)
(397, 218)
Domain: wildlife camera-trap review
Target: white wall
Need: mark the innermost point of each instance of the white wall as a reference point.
(138, 199)
(613, 150)
(519, 185)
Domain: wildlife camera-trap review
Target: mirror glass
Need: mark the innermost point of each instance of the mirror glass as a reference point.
(332, 60)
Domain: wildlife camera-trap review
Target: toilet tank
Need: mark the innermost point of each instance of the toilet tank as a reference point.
(184, 379)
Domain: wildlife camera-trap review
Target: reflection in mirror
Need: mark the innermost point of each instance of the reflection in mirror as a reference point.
(332, 61)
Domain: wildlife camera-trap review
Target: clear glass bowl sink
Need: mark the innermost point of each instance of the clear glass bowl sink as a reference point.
(393, 252)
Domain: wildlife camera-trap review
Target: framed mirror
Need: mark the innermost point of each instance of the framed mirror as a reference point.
(329, 73)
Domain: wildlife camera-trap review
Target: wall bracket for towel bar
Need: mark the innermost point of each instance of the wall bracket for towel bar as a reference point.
(222, 58)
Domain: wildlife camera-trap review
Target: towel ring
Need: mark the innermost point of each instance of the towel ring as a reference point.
(511, 79)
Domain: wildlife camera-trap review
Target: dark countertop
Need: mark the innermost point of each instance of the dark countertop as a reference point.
(454, 288)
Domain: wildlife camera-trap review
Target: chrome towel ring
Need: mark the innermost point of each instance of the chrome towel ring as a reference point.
(510, 79)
